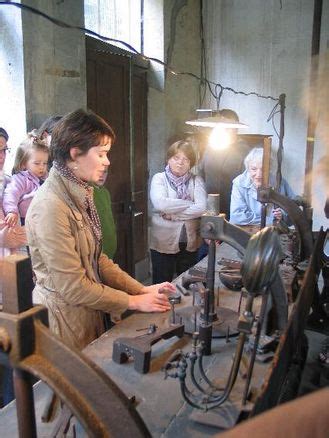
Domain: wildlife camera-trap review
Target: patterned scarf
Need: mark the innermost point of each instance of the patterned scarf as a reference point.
(92, 214)
(179, 183)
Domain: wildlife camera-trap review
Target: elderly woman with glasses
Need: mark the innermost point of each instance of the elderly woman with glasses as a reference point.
(179, 199)
(245, 209)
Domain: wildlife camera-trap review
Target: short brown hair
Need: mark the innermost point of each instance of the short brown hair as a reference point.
(48, 126)
(81, 129)
(31, 143)
(185, 147)
(229, 114)
(4, 134)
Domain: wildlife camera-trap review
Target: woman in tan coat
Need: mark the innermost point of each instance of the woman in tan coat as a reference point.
(74, 279)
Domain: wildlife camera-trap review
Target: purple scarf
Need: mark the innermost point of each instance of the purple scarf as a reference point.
(179, 183)
(92, 214)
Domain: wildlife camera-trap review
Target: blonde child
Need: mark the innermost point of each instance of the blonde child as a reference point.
(29, 172)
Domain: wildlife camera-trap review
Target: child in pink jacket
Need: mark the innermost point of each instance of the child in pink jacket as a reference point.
(29, 172)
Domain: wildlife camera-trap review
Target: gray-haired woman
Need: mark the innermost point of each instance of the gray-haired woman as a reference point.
(245, 209)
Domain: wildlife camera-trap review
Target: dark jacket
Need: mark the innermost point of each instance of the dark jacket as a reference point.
(102, 199)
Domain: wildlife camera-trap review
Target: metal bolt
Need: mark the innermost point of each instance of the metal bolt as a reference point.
(209, 226)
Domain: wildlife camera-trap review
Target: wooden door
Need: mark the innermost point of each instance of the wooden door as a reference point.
(140, 167)
(117, 91)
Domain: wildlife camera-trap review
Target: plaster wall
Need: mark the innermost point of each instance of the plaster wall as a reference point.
(54, 60)
(42, 66)
(171, 105)
(154, 47)
(12, 107)
(182, 42)
(51, 77)
(260, 46)
(320, 190)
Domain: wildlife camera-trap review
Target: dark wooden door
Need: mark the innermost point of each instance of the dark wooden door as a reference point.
(139, 164)
(117, 91)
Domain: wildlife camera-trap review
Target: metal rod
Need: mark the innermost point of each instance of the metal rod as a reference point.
(265, 176)
(173, 316)
(282, 104)
(254, 350)
(205, 327)
(263, 216)
(210, 276)
(206, 306)
(213, 203)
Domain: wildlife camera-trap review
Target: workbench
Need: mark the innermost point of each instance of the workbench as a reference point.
(159, 400)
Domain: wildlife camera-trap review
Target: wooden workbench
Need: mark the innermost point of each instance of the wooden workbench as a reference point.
(158, 401)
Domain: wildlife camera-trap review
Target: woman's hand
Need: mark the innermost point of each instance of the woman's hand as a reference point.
(149, 302)
(162, 288)
(167, 216)
(218, 242)
(11, 219)
(152, 298)
(277, 213)
(12, 237)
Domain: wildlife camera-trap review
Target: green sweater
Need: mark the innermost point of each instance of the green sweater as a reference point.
(102, 199)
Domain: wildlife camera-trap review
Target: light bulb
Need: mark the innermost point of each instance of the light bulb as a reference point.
(220, 138)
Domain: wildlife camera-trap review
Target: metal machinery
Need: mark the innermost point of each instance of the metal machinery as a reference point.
(215, 227)
(259, 270)
(260, 277)
(29, 347)
(300, 218)
(282, 380)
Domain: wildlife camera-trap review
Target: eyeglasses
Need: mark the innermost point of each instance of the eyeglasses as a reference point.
(4, 150)
(183, 160)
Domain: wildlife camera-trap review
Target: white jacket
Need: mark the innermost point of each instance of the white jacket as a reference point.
(165, 233)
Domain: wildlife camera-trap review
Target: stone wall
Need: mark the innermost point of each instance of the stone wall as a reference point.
(260, 46)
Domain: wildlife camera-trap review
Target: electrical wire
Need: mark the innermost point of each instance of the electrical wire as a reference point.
(215, 88)
(201, 79)
(273, 112)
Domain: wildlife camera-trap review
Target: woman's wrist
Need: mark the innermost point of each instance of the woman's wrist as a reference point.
(132, 302)
(144, 290)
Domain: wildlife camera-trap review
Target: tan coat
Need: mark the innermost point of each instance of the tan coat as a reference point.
(63, 250)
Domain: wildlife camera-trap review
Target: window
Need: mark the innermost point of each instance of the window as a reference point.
(119, 19)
